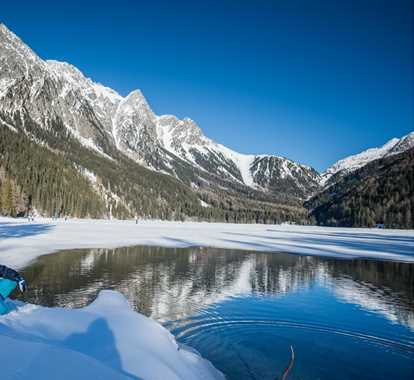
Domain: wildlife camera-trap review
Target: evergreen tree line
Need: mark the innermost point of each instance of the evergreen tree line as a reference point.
(48, 177)
(380, 193)
(35, 177)
(9, 195)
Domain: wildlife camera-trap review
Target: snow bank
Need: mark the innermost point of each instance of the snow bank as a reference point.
(21, 242)
(105, 340)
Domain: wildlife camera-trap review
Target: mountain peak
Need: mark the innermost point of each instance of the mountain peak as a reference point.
(403, 144)
(137, 93)
(14, 52)
(356, 161)
(101, 119)
(4, 30)
(135, 102)
(10, 41)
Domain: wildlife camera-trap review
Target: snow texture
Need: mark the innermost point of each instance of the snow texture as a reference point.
(105, 340)
(21, 241)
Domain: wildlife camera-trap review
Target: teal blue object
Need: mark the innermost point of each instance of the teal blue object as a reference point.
(6, 287)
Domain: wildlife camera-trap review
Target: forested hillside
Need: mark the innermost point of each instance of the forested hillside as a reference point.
(381, 192)
(62, 177)
(32, 176)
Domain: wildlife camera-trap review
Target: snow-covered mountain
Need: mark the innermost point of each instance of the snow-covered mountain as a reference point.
(104, 121)
(354, 162)
(378, 193)
(135, 162)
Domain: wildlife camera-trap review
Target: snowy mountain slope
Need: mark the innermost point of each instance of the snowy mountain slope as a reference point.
(134, 128)
(354, 162)
(103, 120)
(49, 91)
(403, 144)
(279, 172)
(158, 140)
(380, 192)
(103, 100)
(57, 107)
(185, 139)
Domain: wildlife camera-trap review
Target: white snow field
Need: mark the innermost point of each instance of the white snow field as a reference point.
(21, 241)
(106, 340)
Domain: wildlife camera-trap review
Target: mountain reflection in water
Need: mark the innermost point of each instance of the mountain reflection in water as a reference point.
(169, 284)
(346, 319)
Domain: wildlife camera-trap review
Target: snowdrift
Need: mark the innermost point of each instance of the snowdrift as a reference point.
(105, 340)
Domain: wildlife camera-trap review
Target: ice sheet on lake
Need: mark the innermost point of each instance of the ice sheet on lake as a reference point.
(21, 242)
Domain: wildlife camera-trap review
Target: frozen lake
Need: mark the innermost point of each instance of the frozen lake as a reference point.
(345, 319)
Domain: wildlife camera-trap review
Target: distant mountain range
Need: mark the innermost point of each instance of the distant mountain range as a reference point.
(130, 161)
(380, 193)
(372, 188)
(352, 163)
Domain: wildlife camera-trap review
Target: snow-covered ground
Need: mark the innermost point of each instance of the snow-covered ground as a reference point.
(21, 241)
(105, 340)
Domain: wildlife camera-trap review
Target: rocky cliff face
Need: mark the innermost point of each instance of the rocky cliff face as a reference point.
(104, 121)
(116, 139)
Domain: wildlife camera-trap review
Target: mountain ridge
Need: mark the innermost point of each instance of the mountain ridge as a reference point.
(353, 162)
(130, 124)
(115, 141)
(379, 193)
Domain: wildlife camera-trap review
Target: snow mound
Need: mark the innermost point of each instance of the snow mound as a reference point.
(105, 340)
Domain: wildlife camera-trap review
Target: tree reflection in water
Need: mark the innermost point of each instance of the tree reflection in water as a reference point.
(169, 284)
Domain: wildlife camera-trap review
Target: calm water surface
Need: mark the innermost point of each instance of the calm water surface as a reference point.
(345, 319)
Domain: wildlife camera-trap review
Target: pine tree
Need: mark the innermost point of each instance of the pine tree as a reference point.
(8, 198)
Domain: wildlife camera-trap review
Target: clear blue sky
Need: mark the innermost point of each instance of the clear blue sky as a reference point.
(310, 80)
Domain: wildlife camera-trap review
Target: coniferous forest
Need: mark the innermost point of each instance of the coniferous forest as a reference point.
(60, 177)
(70, 147)
(52, 178)
(380, 193)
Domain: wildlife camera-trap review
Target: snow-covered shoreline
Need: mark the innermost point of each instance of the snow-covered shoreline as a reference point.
(21, 241)
(104, 340)
(107, 339)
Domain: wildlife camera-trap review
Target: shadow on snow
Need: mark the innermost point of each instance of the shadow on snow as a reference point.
(11, 230)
